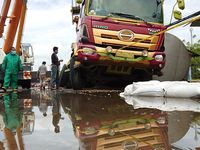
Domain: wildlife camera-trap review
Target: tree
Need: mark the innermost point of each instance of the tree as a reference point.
(195, 62)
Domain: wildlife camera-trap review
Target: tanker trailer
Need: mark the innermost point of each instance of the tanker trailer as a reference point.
(177, 60)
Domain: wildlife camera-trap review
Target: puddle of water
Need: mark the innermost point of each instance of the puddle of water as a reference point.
(92, 120)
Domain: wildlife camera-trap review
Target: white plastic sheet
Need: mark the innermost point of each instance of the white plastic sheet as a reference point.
(181, 89)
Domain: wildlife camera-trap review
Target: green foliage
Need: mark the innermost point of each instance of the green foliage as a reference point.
(196, 47)
(195, 60)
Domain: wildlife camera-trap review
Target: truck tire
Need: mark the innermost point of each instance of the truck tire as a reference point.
(26, 84)
(64, 80)
(75, 76)
(144, 76)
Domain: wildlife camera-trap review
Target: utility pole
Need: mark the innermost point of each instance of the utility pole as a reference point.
(190, 67)
(191, 36)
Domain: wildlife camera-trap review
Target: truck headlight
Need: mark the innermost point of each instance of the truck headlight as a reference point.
(88, 51)
(145, 53)
(111, 132)
(147, 126)
(159, 58)
(161, 120)
(109, 49)
(90, 130)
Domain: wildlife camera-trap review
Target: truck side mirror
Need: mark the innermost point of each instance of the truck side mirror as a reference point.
(78, 1)
(75, 10)
(181, 4)
(177, 15)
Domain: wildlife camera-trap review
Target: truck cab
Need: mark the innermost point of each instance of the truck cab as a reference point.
(27, 58)
(116, 40)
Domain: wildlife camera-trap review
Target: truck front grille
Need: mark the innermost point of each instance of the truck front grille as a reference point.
(110, 38)
(150, 138)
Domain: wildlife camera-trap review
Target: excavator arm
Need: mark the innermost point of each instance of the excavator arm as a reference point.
(13, 36)
(21, 27)
(4, 12)
(13, 23)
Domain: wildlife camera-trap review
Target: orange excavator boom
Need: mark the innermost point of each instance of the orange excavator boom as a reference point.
(13, 25)
(21, 27)
(4, 12)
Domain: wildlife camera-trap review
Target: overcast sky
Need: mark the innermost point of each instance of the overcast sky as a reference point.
(48, 24)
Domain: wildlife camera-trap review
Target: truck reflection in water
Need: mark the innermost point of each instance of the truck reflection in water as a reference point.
(18, 120)
(111, 124)
(183, 118)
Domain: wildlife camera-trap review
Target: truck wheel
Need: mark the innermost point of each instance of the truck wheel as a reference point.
(145, 77)
(64, 80)
(75, 76)
(26, 84)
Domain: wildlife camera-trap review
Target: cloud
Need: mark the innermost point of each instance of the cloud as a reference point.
(50, 27)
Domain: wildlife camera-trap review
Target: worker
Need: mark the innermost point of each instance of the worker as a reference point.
(13, 115)
(43, 103)
(42, 71)
(11, 66)
(56, 111)
(55, 67)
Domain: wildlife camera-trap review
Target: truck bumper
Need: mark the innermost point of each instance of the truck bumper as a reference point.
(149, 60)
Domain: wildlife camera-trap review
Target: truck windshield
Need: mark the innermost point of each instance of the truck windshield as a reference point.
(148, 10)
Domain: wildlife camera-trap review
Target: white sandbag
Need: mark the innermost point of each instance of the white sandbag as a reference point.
(142, 84)
(149, 90)
(166, 84)
(143, 88)
(180, 89)
(128, 90)
(183, 91)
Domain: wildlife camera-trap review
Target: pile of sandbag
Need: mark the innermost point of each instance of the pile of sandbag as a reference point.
(181, 89)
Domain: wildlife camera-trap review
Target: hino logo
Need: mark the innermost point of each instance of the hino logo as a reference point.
(153, 31)
(126, 35)
(100, 27)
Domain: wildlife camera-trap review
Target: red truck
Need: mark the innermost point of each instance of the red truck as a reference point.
(116, 41)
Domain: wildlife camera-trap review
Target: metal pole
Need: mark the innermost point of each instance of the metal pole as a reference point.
(190, 67)
(191, 36)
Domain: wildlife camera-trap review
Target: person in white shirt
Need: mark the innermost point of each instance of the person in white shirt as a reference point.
(42, 71)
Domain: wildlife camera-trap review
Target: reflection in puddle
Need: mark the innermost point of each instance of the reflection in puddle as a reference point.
(182, 114)
(17, 120)
(93, 121)
(163, 103)
(109, 123)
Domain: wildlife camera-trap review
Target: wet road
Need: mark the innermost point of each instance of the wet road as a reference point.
(97, 119)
